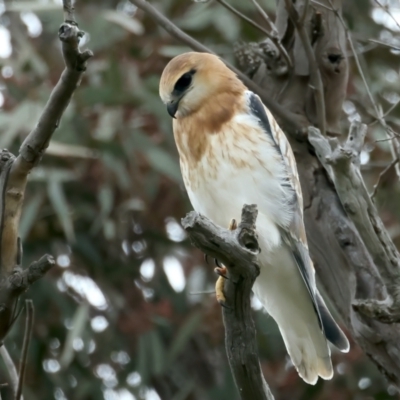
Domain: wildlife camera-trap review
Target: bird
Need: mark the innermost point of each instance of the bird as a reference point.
(232, 152)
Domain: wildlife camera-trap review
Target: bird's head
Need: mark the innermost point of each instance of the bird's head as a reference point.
(190, 79)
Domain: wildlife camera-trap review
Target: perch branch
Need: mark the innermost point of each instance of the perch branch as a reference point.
(25, 346)
(237, 250)
(342, 164)
(315, 74)
(287, 118)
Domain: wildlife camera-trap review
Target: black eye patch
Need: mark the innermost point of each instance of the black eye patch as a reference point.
(183, 82)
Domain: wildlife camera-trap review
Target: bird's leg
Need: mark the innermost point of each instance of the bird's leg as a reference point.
(221, 271)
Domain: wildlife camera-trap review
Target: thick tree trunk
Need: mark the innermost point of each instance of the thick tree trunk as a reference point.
(345, 268)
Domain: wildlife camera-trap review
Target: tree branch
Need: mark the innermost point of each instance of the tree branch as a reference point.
(315, 74)
(288, 119)
(37, 141)
(272, 36)
(237, 250)
(342, 164)
(17, 283)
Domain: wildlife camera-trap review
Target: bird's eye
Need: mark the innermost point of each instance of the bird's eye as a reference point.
(184, 81)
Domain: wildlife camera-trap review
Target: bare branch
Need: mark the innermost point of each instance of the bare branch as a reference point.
(386, 8)
(382, 174)
(272, 36)
(287, 118)
(266, 17)
(17, 283)
(38, 140)
(11, 369)
(69, 11)
(397, 48)
(25, 346)
(315, 74)
(245, 18)
(237, 250)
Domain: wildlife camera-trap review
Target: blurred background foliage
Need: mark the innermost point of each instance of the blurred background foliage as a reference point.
(128, 312)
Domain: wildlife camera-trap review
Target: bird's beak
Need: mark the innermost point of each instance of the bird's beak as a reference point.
(172, 107)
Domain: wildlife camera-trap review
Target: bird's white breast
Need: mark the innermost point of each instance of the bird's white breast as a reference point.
(241, 166)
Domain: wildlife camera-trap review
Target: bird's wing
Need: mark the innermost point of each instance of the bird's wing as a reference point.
(294, 236)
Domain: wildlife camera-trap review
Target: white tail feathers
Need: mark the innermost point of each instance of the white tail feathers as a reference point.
(309, 352)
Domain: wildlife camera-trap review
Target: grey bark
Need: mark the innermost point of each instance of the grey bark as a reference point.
(354, 257)
(237, 250)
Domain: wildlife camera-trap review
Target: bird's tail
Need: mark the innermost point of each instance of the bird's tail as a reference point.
(309, 351)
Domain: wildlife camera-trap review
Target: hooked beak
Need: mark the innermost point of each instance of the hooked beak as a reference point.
(172, 107)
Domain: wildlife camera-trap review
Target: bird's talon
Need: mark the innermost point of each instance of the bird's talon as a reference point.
(217, 263)
(206, 258)
(232, 224)
(221, 271)
(219, 291)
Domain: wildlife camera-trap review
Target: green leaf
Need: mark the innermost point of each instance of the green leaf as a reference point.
(17, 121)
(106, 201)
(21, 6)
(45, 174)
(183, 336)
(78, 325)
(161, 161)
(118, 167)
(60, 205)
(185, 391)
(142, 366)
(109, 122)
(30, 214)
(132, 25)
(157, 353)
(157, 157)
(60, 149)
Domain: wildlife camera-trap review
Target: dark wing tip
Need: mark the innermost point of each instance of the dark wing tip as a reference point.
(332, 331)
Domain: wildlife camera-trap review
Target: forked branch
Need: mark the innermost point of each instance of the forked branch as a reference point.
(237, 250)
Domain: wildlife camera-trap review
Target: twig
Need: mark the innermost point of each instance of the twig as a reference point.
(291, 120)
(315, 74)
(17, 283)
(382, 174)
(25, 346)
(384, 44)
(69, 11)
(272, 36)
(75, 61)
(237, 250)
(11, 369)
(386, 8)
(266, 17)
(245, 18)
(387, 112)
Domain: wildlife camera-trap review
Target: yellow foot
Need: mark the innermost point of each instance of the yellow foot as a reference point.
(222, 271)
(232, 225)
(219, 290)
